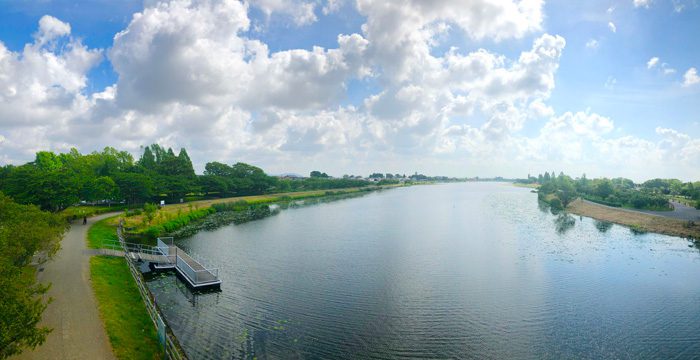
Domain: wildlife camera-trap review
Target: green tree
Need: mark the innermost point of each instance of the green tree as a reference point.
(134, 187)
(318, 174)
(24, 231)
(604, 188)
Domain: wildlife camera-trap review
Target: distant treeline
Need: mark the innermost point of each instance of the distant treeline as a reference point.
(618, 192)
(56, 181)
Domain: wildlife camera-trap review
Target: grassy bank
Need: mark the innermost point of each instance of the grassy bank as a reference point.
(103, 230)
(173, 217)
(636, 220)
(128, 325)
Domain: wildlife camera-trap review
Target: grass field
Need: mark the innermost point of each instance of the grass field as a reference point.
(636, 220)
(128, 325)
(104, 229)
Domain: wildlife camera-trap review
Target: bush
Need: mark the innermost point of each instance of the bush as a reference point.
(231, 206)
(176, 223)
(556, 204)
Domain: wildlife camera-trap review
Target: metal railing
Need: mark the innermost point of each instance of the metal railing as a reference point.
(182, 261)
(172, 347)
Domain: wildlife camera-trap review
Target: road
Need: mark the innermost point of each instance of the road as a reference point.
(78, 331)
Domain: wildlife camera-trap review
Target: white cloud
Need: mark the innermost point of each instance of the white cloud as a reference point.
(642, 3)
(190, 75)
(612, 27)
(610, 82)
(691, 77)
(652, 62)
(667, 70)
(332, 6)
(51, 28)
(592, 44)
(301, 12)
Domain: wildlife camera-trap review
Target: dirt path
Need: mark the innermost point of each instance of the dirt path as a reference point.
(78, 332)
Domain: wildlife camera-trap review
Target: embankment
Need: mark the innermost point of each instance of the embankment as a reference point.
(636, 220)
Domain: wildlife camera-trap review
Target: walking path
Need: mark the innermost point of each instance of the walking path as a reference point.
(78, 332)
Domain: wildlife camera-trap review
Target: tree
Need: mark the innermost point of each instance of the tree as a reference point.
(318, 174)
(148, 160)
(134, 187)
(376, 176)
(24, 231)
(101, 188)
(604, 188)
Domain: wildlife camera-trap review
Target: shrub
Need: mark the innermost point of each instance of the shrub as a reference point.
(556, 204)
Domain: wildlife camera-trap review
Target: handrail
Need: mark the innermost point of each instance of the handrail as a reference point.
(173, 350)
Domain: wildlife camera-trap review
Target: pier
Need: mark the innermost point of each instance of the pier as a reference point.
(168, 256)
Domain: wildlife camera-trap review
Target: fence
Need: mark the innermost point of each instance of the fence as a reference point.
(172, 347)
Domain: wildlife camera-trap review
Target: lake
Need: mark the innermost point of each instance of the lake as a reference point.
(468, 270)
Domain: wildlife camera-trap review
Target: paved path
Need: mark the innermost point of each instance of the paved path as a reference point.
(78, 332)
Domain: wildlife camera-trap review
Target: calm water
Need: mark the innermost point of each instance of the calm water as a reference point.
(472, 270)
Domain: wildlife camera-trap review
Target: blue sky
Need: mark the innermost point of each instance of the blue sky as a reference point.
(490, 88)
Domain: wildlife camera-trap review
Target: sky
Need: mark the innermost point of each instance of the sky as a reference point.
(441, 87)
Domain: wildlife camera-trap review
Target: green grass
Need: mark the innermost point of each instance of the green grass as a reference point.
(128, 325)
(100, 231)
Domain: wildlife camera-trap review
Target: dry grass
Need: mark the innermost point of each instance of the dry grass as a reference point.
(646, 222)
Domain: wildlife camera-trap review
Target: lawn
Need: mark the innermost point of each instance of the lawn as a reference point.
(102, 230)
(128, 325)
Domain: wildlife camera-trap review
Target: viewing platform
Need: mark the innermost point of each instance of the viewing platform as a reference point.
(168, 256)
(192, 271)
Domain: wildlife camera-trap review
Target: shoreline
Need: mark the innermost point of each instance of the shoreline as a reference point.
(636, 220)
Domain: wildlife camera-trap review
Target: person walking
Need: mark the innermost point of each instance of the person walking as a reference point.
(84, 220)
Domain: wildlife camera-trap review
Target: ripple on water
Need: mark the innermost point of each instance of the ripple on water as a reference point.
(449, 271)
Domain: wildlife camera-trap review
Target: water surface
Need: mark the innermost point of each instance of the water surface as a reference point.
(475, 270)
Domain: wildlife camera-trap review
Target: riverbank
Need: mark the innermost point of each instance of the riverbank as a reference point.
(636, 220)
(173, 217)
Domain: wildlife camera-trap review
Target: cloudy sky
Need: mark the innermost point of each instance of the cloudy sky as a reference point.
(462, 88)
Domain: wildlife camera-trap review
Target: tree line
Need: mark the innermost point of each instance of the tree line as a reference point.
(618, 192)
(56, 181)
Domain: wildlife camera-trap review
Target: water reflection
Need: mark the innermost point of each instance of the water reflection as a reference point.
(448, 271)
(564, 222)
(603, 226)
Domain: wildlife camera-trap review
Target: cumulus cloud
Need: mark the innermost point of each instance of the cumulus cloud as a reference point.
(691, 77)
(190, 74)
(612, 27)
(43, 83)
